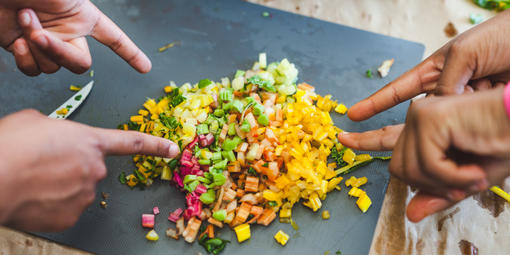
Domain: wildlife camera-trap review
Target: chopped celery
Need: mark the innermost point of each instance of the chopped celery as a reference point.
(190, 187)
(258, 109)
(204, 161)
(221, 165)
(220, 215)
(229, 144)
(219, 113)
(203, 180)
(263, 120)
(239, 73)
(245, 127)
(226, 94)
(189, 178)
(216, 156)
(208, 197)
(219, 179)
(202, 129)
(238, 106)
(229, 155)
(232, 129)
(214, 127)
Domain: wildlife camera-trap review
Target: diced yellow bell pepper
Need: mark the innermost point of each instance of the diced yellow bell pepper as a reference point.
(355, 192)
(333, 183)
(350, 181)
(152, 236)
(364, 202)
(325, 215)
(285, 213)
(359, 182)
(281, 237)
(243, 232)
(349, 156)
(142, 127)
(362, 157)
(168, 89)
(143, 112)
(136, 118)
(341, 108)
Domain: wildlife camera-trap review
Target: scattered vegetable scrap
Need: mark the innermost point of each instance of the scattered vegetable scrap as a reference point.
(476, 18)
(78, 97)
(385, 67)
(103, 204)
(63, 111)
(497, 5)
(152, 235)
(281, 238)
(368, 73)
(450, 30)
(168, 46)
(91, 73)
(252, 147)
(266, 14)
(325, 215)
(74, 88)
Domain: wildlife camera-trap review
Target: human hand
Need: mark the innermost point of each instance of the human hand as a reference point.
(51, 33)
(474, 60)
(449, 148)
(49, 168)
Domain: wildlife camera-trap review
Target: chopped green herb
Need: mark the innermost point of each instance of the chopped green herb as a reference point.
(272, 203)
(169, 122)
(368, 73)
(212, 245)
(204, 83)
(338, 252)
(69, 106)
(175, 98)
(337, 156)
(252, 171)
(263, 84)
(265, 164)
(133, 126)
(122, 178)
(78, 97)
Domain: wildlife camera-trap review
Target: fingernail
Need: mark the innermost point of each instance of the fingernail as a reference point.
(173, 150)
(21, 48)
(25, 19)
(41, 41)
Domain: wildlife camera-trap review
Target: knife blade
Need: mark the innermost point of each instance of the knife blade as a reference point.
(72, 103)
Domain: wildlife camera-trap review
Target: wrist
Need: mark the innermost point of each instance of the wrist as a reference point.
(499, 126)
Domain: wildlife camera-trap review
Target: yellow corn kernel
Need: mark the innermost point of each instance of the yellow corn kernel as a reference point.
(136, 118)
(341, 108)
(143, 112)
(243, 232)
(325, 215)
(62, 111)
(74, 88)
(168, 89)
(285, 213)
(349, 156)
(281, 237)
(364, 202)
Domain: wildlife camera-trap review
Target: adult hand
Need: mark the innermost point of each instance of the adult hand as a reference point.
(51, 33)
(475, 60)
(449, 148)
(49, 168)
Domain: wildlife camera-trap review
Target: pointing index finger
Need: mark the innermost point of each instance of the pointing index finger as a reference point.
(109, 34)
(418, 80)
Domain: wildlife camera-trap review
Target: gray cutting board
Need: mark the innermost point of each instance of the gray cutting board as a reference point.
(217, 37)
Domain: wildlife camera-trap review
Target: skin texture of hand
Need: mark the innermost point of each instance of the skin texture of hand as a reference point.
(49, 168)
(450, 147)
(476, 59)
(49, 34)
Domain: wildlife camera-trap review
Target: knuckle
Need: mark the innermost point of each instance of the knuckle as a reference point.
(457, 47)
(138, 143)
(101, 171)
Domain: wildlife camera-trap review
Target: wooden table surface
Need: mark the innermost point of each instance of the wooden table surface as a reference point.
(420, 21)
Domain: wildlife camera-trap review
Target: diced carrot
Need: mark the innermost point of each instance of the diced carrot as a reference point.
(254, 219)
(224, 132)
(251, 184)
(229, 195)
(251, 119)
(269, 98)
(232, 118)
(280, 162)
(279, 115)
(275, 123)
(234, 186)
(258, 166)
(191, 231)
(270, 136)
(243, 147)
(272, 171)
(256, 210)
(210, 231)
(269, 155)
(306, 86)
(215, 222)
(266, 217)
(234, 167)
(242, 214)
(238, 93)
(241, 158)
(240, 193)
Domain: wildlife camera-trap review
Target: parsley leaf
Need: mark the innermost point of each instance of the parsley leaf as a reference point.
(264, 84)
(176, 98)
(337, 156)
(169, 122)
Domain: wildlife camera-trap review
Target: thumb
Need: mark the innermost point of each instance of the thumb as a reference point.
(119, 142)
(423, 205)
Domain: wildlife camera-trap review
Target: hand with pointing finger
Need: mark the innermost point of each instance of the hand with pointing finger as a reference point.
(44, 35)
(49, 168)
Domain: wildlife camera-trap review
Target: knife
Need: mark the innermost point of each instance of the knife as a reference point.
(72, 103)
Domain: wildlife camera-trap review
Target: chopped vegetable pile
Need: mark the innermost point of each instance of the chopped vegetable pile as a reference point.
(498, 5)
(251, 148)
